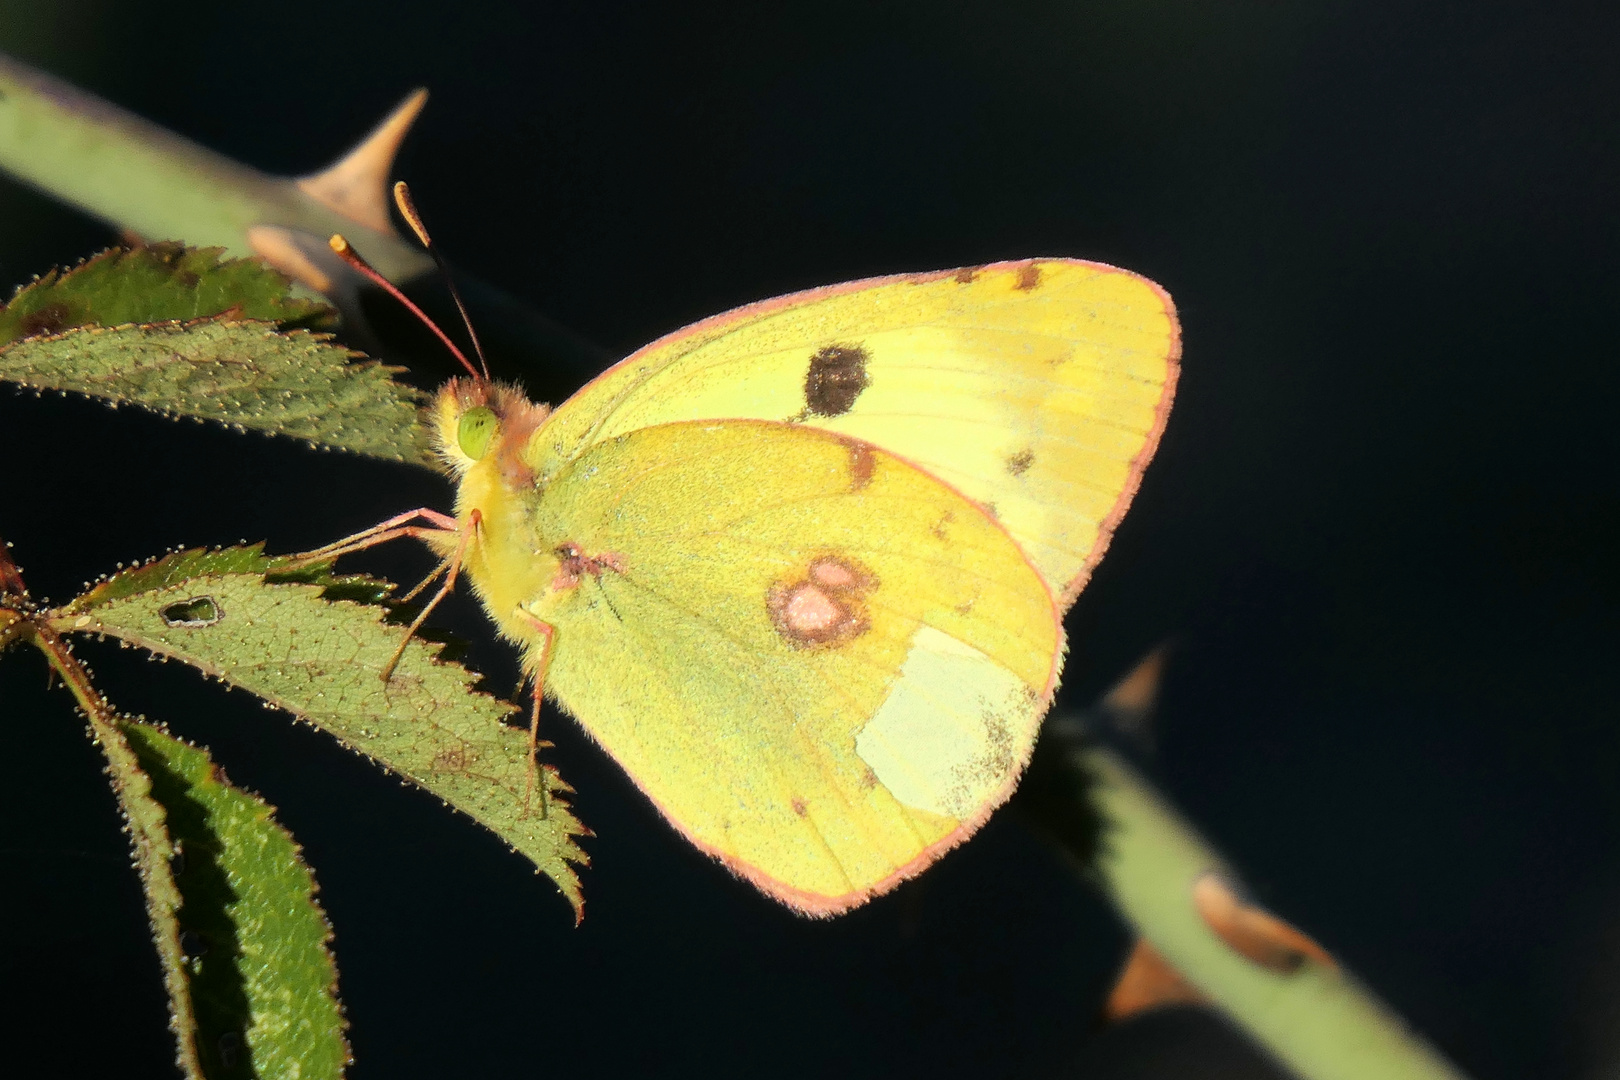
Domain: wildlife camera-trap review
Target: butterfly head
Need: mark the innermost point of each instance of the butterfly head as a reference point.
(478, 424)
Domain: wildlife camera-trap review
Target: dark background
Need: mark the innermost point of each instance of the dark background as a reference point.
(1381, 527)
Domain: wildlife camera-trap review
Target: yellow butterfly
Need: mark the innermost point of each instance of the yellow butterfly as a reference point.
(801, 568)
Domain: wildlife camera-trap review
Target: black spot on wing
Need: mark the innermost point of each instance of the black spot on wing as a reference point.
(837, 376)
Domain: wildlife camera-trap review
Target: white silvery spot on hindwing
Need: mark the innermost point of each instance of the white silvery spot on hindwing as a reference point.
(952, 731)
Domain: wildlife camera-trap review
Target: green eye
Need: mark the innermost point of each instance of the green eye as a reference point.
(476, 428)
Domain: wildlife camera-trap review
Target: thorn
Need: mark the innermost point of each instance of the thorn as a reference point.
(1138, 691)
(1252, 931)
(1131, 704)
(1148, 982)
(356, 185)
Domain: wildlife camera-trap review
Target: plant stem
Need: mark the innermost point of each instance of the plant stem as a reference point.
(143, 179)
(1317, 1019)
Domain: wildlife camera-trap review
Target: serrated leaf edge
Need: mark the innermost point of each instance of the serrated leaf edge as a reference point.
(70, 619)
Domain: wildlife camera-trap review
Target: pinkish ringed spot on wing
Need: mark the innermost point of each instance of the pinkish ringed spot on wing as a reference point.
(824, 608)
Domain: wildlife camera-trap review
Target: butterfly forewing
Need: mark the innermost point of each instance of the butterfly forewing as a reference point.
(1037, 389)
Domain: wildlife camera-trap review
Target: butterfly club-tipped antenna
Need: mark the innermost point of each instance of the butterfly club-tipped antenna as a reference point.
(345, 251)
(408, 211)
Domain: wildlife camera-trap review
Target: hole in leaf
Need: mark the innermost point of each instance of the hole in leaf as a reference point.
(198, 611)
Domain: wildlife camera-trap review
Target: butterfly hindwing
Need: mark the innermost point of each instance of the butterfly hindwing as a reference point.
(823, 664)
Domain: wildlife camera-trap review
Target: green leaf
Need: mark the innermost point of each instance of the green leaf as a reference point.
(321, 658)
(262, 981)
(177, 568)
(242, 943)
(154, 858)
(155, 283)
(246, 374)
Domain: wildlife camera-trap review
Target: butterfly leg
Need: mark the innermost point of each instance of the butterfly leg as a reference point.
(538, 685)
(453, 568)
(416, 590)
(535, 779)
(392, 529)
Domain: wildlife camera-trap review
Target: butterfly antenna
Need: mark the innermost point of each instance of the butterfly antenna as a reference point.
(347, 253)
(407, 210)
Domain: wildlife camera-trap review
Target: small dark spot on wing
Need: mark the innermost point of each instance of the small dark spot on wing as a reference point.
(861, 464)
(1019, 463)
(837, 376)
(966, 275)
(800, 807)
(1029, 276)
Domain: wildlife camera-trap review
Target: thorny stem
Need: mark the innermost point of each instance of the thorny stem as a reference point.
(142, 179)
(138, 177)
(1315, 1018)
